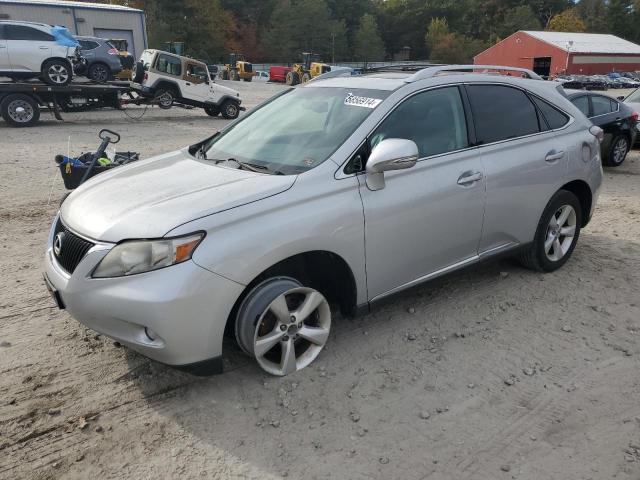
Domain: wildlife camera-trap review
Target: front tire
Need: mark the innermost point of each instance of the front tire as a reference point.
(292, 78)
(57, 73)
(618, 152)
(557, 234)
(20, 110)
(230, 110)
(212, 110)
(283, 325)
(306, 77)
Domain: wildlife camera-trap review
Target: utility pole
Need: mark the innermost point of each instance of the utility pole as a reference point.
(333, 48)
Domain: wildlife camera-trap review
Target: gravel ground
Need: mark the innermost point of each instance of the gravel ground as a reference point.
(495, 372)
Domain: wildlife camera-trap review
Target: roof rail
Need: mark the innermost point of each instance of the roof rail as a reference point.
(434, 71)
(332, 74)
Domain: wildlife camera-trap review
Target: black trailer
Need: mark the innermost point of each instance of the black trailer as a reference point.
(20, 103)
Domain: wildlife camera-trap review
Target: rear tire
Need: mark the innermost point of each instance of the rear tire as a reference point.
(164, 98)
(556, 236)
(20, 110)
(57, 72)
(230, 109)
(99, 72)
(292, 78)
(618, 152)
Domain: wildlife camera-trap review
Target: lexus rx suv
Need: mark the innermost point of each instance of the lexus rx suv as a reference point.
(29, 50)
(331, 196)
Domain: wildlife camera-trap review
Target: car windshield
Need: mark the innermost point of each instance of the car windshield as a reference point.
(634, 96)
(297, 130)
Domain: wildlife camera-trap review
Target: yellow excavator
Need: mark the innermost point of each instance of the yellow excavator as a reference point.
(310, 67)
(237, 68)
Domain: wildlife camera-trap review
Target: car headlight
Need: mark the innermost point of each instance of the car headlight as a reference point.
(139, 256)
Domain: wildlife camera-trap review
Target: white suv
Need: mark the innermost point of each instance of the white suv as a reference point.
(30, 50)
(171, 78)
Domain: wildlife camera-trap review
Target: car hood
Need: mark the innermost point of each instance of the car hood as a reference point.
(149, 198)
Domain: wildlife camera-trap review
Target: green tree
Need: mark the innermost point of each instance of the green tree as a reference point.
(620, 18)
(518, 18)
(567, 21)
(594, 15)
(448, 47)
(368, 44)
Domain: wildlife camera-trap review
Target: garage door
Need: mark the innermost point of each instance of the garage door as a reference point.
(118, 34)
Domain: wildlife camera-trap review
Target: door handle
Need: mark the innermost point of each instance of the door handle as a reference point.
(553, 156)
(467, 178)
(43, 48)
(188, 84)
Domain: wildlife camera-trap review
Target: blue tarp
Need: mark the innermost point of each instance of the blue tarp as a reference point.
(63, 37)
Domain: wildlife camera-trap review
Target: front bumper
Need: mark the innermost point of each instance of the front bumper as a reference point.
(185, 306)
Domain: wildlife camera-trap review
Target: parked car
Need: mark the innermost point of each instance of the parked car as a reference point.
(261, 76)
(103, 59)
(625, 82)
(617, 120)
(171, 78)
(296, 209)
(29, 50)
(278, 74)
(633, 101)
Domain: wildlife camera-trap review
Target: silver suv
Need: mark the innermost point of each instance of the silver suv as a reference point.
(330, 196)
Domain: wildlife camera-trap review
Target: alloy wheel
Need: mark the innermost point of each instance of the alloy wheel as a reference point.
(99, 73)
(58, 74)
(20, 111)
(560, 233)
(292, 331)
(620, 150)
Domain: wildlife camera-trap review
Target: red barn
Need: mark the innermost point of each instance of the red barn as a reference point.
(553, 53)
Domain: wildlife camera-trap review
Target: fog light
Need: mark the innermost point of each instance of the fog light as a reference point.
(151, 335)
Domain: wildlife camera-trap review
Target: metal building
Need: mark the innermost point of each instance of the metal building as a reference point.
(91, 19)
(553, 53)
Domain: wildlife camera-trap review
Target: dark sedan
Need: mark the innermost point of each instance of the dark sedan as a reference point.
(616, 119)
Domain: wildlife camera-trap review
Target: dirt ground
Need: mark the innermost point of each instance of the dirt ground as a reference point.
(492, 373)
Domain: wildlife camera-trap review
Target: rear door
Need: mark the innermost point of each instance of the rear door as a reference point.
(28, 47)
(4, 53)
(524, 158)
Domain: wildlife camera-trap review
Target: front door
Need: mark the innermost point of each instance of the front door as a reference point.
(428, 218)
(28, 47)
(195, 82)
(4, 52)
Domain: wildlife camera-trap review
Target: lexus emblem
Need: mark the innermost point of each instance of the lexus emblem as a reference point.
(57, 243)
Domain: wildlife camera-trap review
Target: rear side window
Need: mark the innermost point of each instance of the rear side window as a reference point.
(582, 103)
(168, 64)
(501, 113)
(20, 32)
(88, 45)
(602, 105)
(552, 118)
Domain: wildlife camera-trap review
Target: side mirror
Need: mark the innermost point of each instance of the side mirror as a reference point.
(389, 154)
(621, 97)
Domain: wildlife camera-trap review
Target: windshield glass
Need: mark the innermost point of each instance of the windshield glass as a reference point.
(633, 97)
(296, 131)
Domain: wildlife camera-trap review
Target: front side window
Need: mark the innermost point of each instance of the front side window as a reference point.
(168, 64)
(602, 105)
(434, 120)
(194, 70)
(501, 113)
(296, 131)
(21, 32)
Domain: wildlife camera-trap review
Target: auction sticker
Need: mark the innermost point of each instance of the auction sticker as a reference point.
(366, 102)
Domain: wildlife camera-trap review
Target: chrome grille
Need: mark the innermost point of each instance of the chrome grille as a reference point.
(72, 248)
